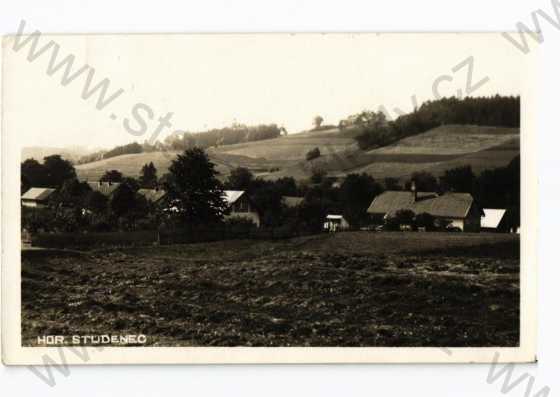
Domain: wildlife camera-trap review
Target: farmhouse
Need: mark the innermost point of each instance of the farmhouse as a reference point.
(105, 188)
(241, 206)
(458, 209)
(335, 223)
(37, 197)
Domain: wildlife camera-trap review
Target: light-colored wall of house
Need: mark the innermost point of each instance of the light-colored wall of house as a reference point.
(30, 203)
(457, 223)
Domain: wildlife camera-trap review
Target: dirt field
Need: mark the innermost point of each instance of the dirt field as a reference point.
(349, 289)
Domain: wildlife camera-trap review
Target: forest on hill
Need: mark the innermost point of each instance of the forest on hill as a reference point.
(377, 131)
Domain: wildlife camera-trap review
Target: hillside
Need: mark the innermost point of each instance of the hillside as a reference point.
(434, 151)
(259, 156)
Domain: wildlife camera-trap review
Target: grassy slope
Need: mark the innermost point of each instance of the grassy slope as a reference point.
(434, 151)
(295, 146)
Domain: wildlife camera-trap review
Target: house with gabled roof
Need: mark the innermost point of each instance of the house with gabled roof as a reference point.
(105, 188)
(460, 210)
(240, 205)
(37, 197)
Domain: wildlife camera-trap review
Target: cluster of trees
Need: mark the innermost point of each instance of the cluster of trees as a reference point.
(320, 198)
(75, 206)
(52, 172)
(488, 111)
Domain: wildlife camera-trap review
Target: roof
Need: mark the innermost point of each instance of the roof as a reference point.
(38, 193)
(334, 216)
(291, 201)
(106, 188)
(492, 217)
(231, 196)
(449, 205)
(152, 195)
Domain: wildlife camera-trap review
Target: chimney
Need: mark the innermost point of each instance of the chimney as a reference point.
(414, 192)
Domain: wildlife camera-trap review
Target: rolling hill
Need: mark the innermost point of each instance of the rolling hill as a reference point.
(434, 151)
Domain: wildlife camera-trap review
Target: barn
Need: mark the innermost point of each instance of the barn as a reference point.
(458, 209)
(37, 197)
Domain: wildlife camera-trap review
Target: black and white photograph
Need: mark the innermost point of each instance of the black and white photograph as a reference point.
(271, 191)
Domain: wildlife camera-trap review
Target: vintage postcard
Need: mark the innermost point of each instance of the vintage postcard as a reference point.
(268, 198)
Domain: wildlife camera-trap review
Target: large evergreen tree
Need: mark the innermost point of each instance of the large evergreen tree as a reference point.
(194, 189)
(356, 192)
(148, 176)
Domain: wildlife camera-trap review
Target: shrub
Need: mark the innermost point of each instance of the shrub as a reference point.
(313, 154)
(402, 217)
(425, 220)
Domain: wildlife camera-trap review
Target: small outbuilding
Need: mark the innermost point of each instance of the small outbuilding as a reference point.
(334, 223)
(499, 220)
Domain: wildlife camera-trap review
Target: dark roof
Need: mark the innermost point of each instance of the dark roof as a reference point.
(38, 193)
(152, 195)
(106, 188)
(449, 205)
(291, 201)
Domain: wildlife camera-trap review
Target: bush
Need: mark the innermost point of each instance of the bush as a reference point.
(402, 217)
(425, 220)
(313, 154)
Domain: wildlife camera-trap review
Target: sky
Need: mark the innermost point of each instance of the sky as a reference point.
(212, 80)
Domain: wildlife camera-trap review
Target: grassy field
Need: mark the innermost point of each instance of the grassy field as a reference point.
(434, 151)
(348, 289)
